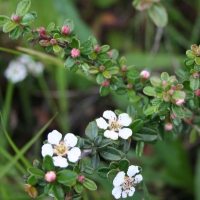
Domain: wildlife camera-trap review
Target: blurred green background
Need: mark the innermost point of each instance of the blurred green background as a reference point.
(171, 169)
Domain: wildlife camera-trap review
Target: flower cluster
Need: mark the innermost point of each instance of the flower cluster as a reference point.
(124, 185)
(18, 69)
(61, 150)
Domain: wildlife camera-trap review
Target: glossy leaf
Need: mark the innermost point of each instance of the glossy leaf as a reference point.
(36, 172)
(102, 172)
(194, 83)
(69, 23)
(124, 165)
(95, 161)
(23, 7)
(15, 33)
(139, 148)
(178, 111)
(48, 163)
(148, 90)
(89, 184)
(112, 174)
(57, 191)
(69, 62)
(91, 130)
(27, 19)
(66, 177)
(4, 19)
(133, 74)
(136, 125)
(78, 187)
(104, 90)
(110, 153)
(9, 26)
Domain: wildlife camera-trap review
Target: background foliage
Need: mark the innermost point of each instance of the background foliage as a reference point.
(171, 169)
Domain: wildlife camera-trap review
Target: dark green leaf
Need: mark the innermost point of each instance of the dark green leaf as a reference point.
(110, 153)
(91, 130)
(32, 180)
(95, 161)
(89, 184)
(36, 172)
(148, 134)
(78, 187)
(89, 170)
(178, 111)
(9, 26)
(103, 57)
(102, 172)
(194, 83)
(104, 90)
(58, 192)
(15, 33)
(112, 174)
(139, 148)
(121, 90)
(69, 62)
(132, 74)
(23, 7)
(131, 111)
(150, 91)
(124, 165)
(136, 125)
(105, 142)
(66, 176)
(113, 165)
(48, 163)
(182, 74)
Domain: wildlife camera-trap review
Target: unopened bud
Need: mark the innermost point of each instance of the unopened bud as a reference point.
(194, 48)
(171, 91)
(166, 97)
(197, 92)
(15, 18)
(75, 53)
(124, 68)
(168, 126)
(44, 43)
(110, 53)
(144, 74)
(50, 176)
(32, 191)
(97, 48)
(53, 41)
(164, 83)
(129, 86)
(180, 102)
(102, 68)
(173, 116)
(65, 30)
(42, 30)
(106, 83)
(81, 178)
(196, 75)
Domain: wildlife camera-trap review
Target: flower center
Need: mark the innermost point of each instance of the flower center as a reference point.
(115, 126)
(128, 183)
(61, 149)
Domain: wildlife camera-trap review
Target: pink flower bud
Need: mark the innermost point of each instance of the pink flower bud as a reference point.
(164, 83)
(106, 83)
(50, 176)
(144, 74)
(168, 126)
(102, 68)
(110, 53)
(171, 91)
(196, 75)
(179, 102)
(53, 41)
(65, 30)
(173, 87)
(129, 86)
(173, 116)
(81, 178)
(197, 92)
(75, 53)
(32, 191)
(97, 48)
(124, 68)
(42, 30)
(15, 18)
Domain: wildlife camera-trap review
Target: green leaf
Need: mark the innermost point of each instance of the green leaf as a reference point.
(32, 180)
(15, 33)
(89, 184)
(132, 74)
(131, 94)
(66, 177)
(136, 125)
(27, 19)
(155, 81)
(112, 174)
(158, 14)
(103, 57)
(104, 48)
(150, 110)
(23, 7)
(36, 172)
(48, 163)
(69, 23)
(194, 83)
(105, 142)
(91, 130)
(178, 111)
(78, 187)
(121, 90)
(107, 74)
(102, 172)
(197, 176)
(148, 134)
(131, 111)
(110, 153)
(124, 165)
(58, 192)
(190, 54)
(178, 94)
(197, 60)
(3, 20)
(148, 90)
(88, 170)
(113, 165)
(139, 148)
(104, 90)
(57, 49)
(69, 62)
(95, 161)
(100, 78)
(50, 27)
(182, 74)
(164, 76)
(9, 26)
(113, 70)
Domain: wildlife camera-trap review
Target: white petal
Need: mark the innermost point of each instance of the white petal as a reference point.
(125, 133)
(131, 191)
(116, 192)
(132, 170)
(138, 179)
(108, 114)
(124, 194)
(119, 179)
(124, 119)
(60, 161)
(74, 154)
(47, 149)
(101, 123)
(70, 139)
(54, 137)
(111, 134)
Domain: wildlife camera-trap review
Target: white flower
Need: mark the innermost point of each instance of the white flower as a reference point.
(34, 68)
(125, 185)
(15, 72)
(115, 125)
(61, 148)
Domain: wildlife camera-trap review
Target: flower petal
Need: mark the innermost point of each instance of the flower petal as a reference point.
(125, 133)
(47, 149)
(131, 191)
(124, 119)
(60, 161)
(132, 170)
(116, 192)
(111, 134)
(73, 154)
(119, 179)
(124, 194)
(138, 179)
(101, 123)
(70, 139)
(54, 137)
(108, 114)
